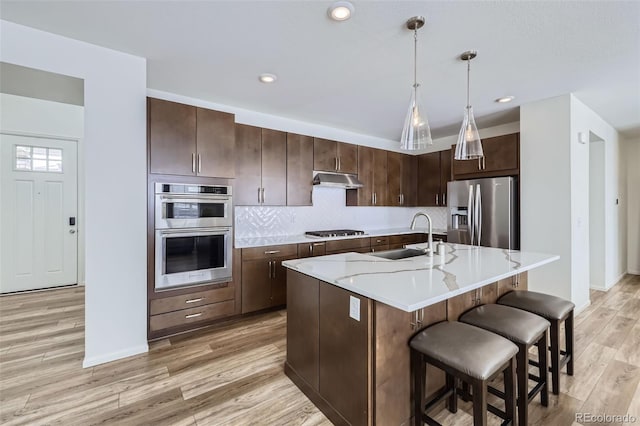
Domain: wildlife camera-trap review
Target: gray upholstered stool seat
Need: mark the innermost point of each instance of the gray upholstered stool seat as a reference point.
(524, 329)
(514, 324)
(471, 350)
(558, 311)
(545, 305)
(465, 353)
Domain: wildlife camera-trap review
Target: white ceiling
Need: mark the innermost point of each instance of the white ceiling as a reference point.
(356, 75)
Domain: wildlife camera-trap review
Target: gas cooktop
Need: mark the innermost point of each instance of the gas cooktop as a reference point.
(333, 233)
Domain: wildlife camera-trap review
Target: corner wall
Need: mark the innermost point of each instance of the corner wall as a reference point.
(545, 191)
(115, 159)
(632, 154)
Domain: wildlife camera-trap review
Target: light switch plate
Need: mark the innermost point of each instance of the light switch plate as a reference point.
(354, 308)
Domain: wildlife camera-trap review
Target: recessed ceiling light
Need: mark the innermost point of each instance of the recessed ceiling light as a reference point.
(268, 78)
(505, 99)
(340, 11)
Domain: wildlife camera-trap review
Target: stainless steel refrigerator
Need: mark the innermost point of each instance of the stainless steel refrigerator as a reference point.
(484, 212)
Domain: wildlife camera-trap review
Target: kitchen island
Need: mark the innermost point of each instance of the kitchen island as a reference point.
(350, 317)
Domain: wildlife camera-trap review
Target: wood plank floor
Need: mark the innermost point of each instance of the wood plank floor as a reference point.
(232, 374)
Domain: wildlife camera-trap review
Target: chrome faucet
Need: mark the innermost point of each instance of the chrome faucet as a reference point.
(430, 235)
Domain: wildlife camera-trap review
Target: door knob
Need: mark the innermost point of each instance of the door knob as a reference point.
(72, 231)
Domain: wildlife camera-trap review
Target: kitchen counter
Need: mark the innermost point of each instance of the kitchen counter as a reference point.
(414, 283)
(301, 238)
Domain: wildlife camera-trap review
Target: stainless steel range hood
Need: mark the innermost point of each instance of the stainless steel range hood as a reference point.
(337, 180)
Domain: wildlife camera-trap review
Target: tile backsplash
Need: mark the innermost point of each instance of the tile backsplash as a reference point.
(328, 212)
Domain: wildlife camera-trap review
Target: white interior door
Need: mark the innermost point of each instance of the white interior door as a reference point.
(38, 191)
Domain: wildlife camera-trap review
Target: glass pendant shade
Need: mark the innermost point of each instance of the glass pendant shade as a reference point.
(469, 146)
(415, 133)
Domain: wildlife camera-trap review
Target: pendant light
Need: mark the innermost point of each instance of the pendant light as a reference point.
(469, 146)
(415, 133)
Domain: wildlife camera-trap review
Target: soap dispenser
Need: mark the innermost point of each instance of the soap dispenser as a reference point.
(441, 248)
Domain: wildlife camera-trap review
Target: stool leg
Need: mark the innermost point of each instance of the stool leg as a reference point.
(568, 333)
(419, 371)
(555, 356)
(479, 389)
(543, 369)
(510, 393)
(453, 399)
(522, 373)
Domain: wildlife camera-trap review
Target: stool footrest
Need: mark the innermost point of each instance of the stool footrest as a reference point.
(442, 394)
(534, 391)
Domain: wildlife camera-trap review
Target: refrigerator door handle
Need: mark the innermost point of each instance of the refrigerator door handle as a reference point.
(470, 217)
(478, 214)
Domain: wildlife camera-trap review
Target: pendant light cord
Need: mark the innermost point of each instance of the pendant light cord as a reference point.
(468, 85)
(415, 59)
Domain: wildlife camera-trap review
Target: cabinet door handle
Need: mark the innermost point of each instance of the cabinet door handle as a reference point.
(310, 249)
(194, 300)
(193, 162)
(336, 161)
(444, 198)
(484, 163)
(199, 163)
(274, 269)
(262, 195)
(437, 200)
(270, 263)
(479, 164)
(339, 163)
(258, 195)
(318, 244)
(193, 315)
(272, 251)
(414, 320)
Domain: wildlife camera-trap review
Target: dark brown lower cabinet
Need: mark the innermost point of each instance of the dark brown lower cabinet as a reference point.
(358, 372)
(264, 279)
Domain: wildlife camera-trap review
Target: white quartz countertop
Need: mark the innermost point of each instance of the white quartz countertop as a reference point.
(413, 283)
(301, 238)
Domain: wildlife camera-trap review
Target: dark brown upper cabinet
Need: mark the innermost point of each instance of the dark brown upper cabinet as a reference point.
(332, 156)
(215, 143)
(261, 167)
(372, 172)
(189, 141)
(501, 158)
(401, 179)
(434, 171)
(299, 170)
(172, 137)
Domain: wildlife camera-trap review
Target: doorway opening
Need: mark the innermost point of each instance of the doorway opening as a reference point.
(596, 212)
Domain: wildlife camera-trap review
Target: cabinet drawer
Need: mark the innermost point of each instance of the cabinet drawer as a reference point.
(318, 248)
(191, 315)
(191, 300)
(403, 239)
(379, 241)
(347, 245)
(266, 252)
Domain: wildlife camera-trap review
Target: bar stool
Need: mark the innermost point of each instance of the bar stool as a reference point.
(557, 311)
(464, 353)
(525, 330)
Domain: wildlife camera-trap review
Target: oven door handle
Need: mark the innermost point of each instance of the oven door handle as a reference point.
(192, 233)
(194, 199)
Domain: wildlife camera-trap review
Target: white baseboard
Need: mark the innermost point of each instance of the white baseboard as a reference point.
(597, 287)
(101, 359)
(579, 309)
(633, 271)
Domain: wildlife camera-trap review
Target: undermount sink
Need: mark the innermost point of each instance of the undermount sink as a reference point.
(396, 254)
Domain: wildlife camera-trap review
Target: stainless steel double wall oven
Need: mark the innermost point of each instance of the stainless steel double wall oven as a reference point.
(193, 234)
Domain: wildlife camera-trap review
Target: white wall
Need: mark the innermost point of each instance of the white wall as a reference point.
(584, 120)
(37, 117)
(545, 189)
(115, 171)
(555, 195)
(632, 154)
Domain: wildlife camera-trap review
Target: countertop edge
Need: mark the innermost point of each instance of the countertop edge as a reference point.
(436, 299)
